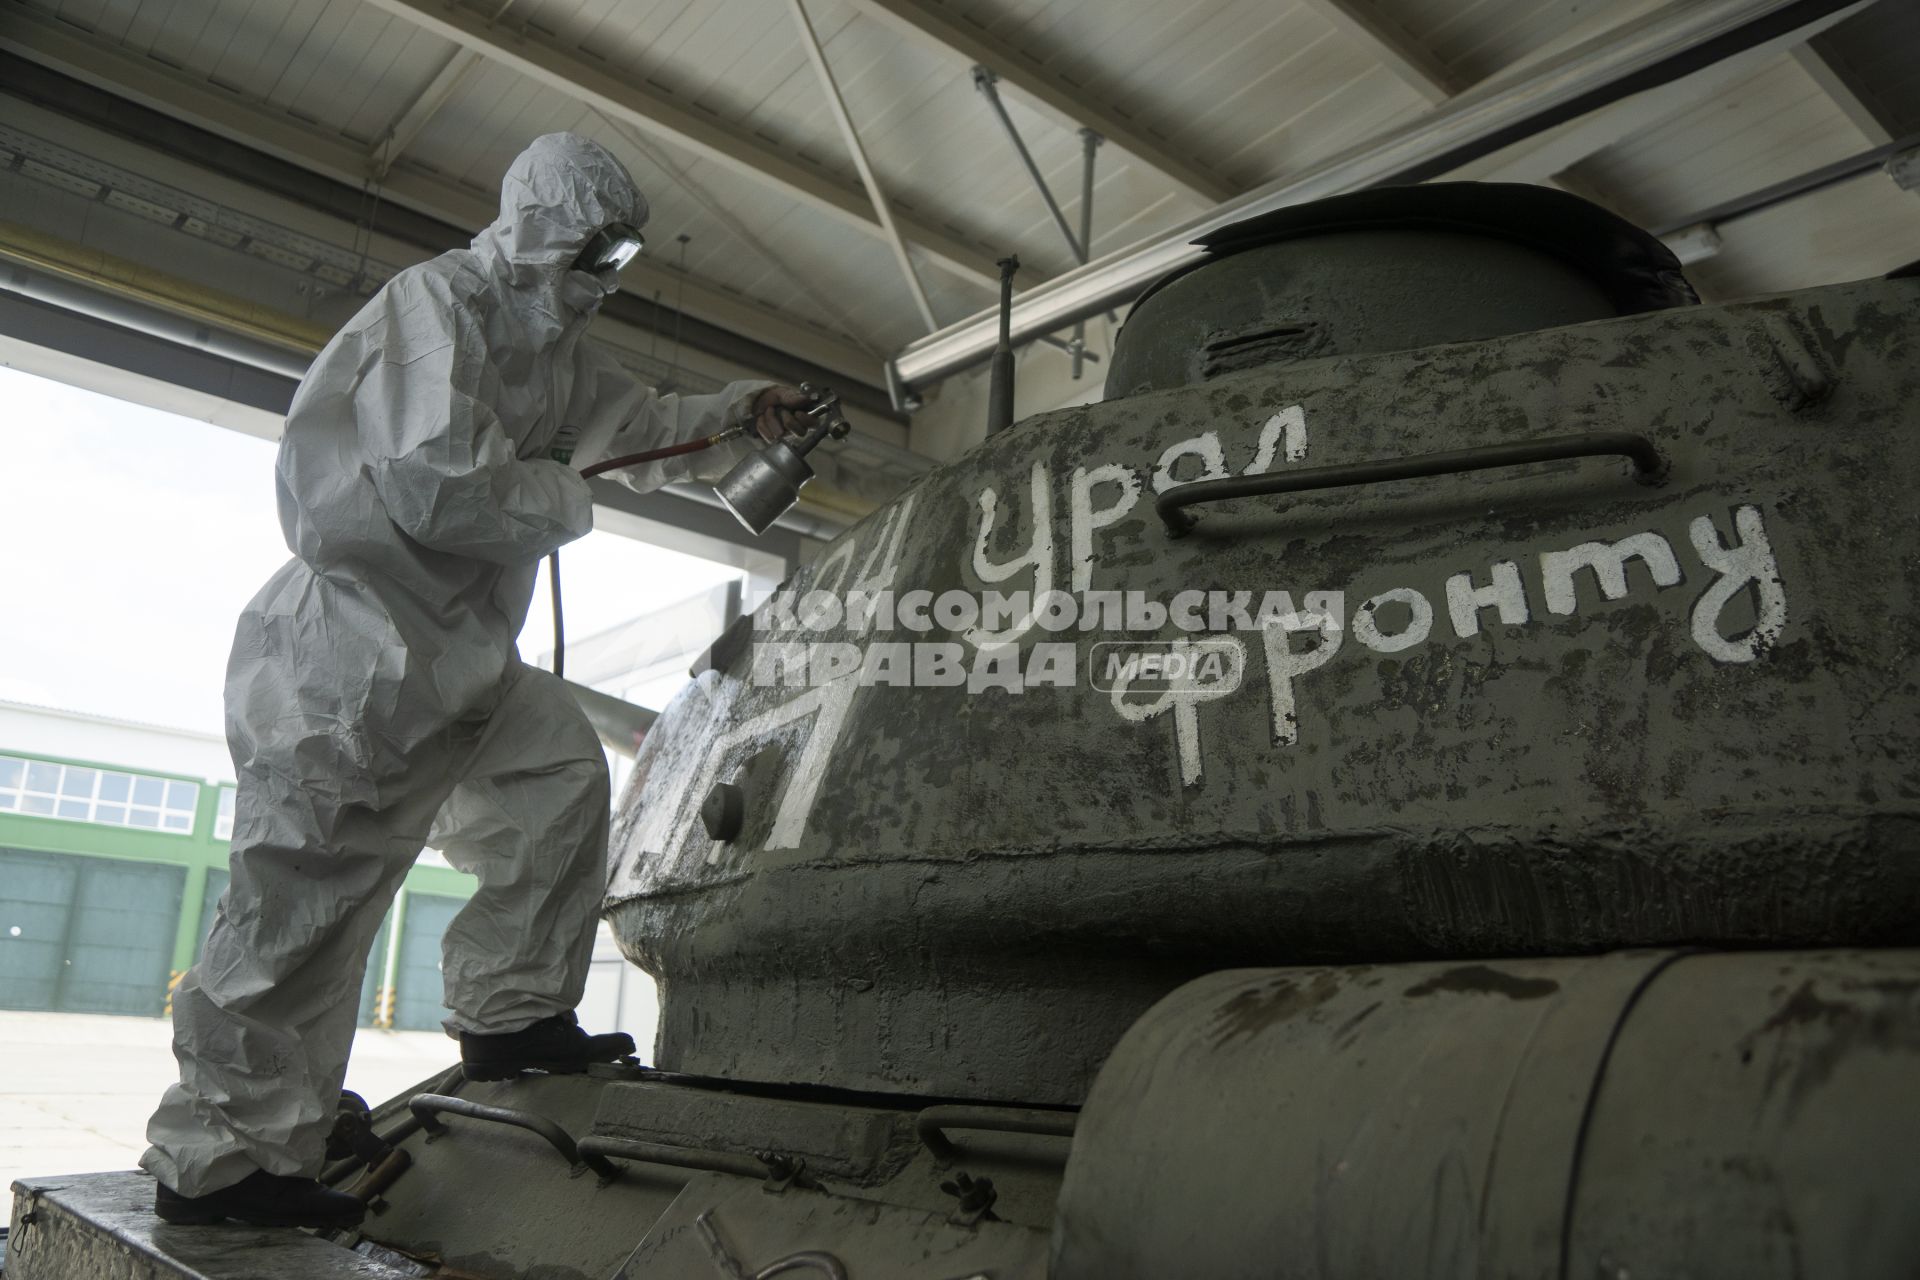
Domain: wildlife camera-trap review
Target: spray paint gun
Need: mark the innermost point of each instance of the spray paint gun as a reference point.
(762, 486)
(758, 491)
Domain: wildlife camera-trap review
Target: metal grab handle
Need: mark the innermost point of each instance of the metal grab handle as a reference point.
(1647, 462)
(933, 1123)
(428, 1105)
(596, 1146)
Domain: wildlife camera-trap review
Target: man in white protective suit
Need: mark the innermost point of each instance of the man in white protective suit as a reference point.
(376, 701)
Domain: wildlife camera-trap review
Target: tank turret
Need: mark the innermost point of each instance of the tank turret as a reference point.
(1649, 691)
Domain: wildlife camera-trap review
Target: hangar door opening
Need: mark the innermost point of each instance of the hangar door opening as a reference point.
(86, 935)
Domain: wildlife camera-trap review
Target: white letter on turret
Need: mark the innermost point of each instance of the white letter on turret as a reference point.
(1749, 563)
(1038, 556)
(1086, 517)
(1283, 665)
(1608, 560)
(1503, 592)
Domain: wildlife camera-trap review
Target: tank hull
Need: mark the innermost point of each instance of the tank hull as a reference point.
(1643, 1113)
(1657, 1112)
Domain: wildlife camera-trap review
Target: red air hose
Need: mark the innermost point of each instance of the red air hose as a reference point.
(667, 451)
(614, 464)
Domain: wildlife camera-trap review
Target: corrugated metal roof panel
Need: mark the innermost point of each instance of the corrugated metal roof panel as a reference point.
(1878, 52)
(1249, 89)
(1773, 125)
(1476, 39)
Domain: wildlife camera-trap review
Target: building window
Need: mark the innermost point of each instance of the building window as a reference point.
(223, 820)
(79, 794)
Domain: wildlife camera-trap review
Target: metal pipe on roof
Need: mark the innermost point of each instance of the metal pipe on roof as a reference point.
(1643, 53)
(1792, 188)
(147, 315)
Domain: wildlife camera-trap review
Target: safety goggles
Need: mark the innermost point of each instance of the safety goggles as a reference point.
(612, 247)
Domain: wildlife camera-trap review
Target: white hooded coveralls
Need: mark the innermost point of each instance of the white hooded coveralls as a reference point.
(374, 684)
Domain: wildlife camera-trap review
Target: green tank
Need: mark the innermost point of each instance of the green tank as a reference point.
(1418, 781)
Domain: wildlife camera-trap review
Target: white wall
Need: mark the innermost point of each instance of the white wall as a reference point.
(53, 732)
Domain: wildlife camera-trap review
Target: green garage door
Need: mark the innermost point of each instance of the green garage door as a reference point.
(418, 990)
(86, 935)
(376, 963)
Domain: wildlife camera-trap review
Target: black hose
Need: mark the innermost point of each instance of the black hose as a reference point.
(559, 616)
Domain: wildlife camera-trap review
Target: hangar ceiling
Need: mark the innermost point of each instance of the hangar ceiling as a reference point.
(251, 168)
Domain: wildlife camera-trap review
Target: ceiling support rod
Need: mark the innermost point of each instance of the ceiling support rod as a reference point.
(983, 80)
(881, 209)
(1643, 53)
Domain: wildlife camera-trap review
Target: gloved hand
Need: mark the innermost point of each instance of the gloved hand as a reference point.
(774, 412)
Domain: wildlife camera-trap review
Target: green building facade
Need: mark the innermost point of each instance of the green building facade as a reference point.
(109, 877)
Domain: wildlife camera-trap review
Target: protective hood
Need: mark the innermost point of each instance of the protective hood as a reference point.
(556, 194)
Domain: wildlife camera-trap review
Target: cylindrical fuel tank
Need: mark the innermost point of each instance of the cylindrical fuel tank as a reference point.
(1633, 1115)
(1553, 708)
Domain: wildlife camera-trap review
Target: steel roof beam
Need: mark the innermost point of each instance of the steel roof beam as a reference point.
(1395, 49)
(730, 145)
(1642, 54)
(460, 210)
(1833, 82)
(968, 46)
(828, 305)
(426, 104)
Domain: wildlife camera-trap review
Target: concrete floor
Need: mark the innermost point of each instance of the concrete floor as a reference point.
(76, 1089)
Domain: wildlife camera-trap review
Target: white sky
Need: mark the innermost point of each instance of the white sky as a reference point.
(132, 538)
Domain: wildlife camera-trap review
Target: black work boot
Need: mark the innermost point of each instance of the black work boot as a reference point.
(554, 1045)
(265, 1200)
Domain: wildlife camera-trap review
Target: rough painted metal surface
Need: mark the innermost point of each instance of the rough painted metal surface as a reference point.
(1751, 1115)
(1563, 711)
(491, 1202)
(1338, 294)
(866, 1238)
(100, 1226)
(495, 1202)
(861, 1145)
